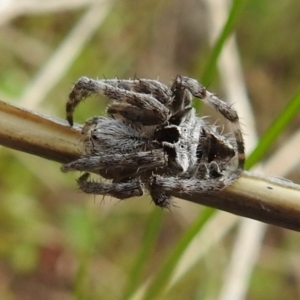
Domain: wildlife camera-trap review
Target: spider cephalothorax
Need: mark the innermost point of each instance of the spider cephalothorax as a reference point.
(152, 139)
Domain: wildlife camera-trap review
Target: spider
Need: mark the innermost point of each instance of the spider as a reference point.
(152, 139)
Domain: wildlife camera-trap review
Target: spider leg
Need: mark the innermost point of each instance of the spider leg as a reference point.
(148, 112)
(160, 198)
(162, 187)
(120, 190)
(199, 91)
(117, 166)
(145, 86)
(178, 185)
(156, 89)
(133, 106)
(181, 98)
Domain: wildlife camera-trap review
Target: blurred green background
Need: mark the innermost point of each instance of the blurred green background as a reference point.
(56, 242)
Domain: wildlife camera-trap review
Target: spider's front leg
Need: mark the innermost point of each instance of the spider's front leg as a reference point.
(145, 86)
(120, 190)
(83, 88)
(133, 106)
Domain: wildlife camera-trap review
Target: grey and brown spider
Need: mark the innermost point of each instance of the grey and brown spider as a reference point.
(152, 139)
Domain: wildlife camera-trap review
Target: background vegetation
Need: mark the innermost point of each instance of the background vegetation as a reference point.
(57, 243)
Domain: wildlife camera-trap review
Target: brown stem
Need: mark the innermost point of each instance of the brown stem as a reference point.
(38, 134)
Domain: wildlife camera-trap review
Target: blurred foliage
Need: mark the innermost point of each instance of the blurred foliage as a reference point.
(57, 243)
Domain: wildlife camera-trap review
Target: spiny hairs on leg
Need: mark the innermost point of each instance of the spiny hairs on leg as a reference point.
(199, 91)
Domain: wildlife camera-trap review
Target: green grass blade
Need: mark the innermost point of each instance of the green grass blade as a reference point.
(276, 128)
(162, 278)
(81, 280)
(151, 233)
(210, 67)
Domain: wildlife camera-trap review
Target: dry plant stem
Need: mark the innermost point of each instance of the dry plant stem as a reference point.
(38, 134)
(270, 200)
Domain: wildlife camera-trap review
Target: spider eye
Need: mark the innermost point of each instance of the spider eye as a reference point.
(94, 137)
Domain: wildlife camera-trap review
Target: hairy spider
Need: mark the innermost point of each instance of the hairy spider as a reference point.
(152, 139)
